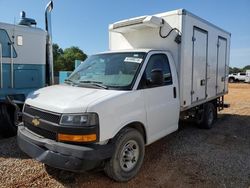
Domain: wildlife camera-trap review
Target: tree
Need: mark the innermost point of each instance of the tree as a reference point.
(70, 55)
(64, 60)
(57, 51)
(246, 68)
(57, 58)
(236, 70)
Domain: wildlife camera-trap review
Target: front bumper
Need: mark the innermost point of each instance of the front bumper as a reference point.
(62, 155)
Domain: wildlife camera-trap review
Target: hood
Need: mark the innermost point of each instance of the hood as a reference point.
(67, 99)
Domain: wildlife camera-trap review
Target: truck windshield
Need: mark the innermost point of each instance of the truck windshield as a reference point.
(111, 70)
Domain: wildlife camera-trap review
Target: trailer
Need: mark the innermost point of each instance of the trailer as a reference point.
(26, 65)
(159, 69)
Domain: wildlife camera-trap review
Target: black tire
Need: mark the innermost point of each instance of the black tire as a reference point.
(208, 117)
(7, 126)
(118, 169)
(231, 80)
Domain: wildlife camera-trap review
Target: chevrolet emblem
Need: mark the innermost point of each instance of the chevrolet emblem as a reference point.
(35, 121)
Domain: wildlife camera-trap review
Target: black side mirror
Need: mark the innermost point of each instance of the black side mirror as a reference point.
(157, 77)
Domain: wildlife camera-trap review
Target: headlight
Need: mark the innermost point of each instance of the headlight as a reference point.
(86, 119)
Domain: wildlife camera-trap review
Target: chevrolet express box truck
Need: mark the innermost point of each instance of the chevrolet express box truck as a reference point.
(159, 69)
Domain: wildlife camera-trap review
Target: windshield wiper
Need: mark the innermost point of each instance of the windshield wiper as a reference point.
(68, 81)
(94, 83)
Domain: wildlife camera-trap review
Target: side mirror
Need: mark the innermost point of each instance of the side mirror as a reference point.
(157, 77)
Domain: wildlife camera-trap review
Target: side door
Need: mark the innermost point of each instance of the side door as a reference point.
(199, 68)
(161, 101)
(242, 76)
(221, 65)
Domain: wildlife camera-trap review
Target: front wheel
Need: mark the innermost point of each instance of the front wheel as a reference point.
(128, 155)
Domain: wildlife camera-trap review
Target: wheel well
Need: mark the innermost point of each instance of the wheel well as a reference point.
(215, 102)
(139, 127)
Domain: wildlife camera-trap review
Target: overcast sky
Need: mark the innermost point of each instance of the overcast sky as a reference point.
(85, 23)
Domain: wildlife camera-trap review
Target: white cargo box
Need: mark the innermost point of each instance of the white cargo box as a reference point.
(201, 56)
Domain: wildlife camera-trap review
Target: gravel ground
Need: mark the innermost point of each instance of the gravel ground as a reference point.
(190, 157)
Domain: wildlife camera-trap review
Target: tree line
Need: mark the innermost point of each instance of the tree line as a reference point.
(236, 70)
(64, 60)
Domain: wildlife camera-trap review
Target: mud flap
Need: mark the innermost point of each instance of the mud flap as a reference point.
(9, 115)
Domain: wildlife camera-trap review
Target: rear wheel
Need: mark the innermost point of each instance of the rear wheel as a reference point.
(208, 116)
(128, 156)
(231, 80)
(7, 126)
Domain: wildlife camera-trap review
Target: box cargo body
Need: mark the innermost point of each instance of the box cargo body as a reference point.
(201, 58)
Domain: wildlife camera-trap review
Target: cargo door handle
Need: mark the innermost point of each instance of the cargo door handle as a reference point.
(174, 92)
(203, 82)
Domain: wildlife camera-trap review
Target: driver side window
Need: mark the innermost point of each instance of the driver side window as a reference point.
(157, 62)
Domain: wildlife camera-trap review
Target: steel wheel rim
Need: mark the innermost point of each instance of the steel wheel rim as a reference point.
(129, 155)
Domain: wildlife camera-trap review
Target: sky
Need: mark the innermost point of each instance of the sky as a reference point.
(84, 23)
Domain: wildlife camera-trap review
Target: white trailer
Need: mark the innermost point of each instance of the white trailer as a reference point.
(159, 69)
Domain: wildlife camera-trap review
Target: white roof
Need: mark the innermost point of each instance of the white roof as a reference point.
(21, 28)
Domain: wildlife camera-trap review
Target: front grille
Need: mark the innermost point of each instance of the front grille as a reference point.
(48, 116)
(39, 131)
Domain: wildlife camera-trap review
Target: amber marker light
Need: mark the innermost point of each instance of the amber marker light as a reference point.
(76, 138)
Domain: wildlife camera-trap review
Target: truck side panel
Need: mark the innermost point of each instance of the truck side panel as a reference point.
(189, 24)
(27, 60)
(26, 79)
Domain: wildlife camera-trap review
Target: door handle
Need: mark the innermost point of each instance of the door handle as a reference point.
(203, 82)
(174, 92)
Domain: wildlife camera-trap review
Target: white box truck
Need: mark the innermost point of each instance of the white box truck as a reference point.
(159, 69)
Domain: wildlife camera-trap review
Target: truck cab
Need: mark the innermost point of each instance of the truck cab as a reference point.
(108, 93)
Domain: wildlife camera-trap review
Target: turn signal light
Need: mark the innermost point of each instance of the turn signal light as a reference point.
(76, 138)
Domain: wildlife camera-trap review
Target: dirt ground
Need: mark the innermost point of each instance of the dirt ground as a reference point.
(191, 157)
